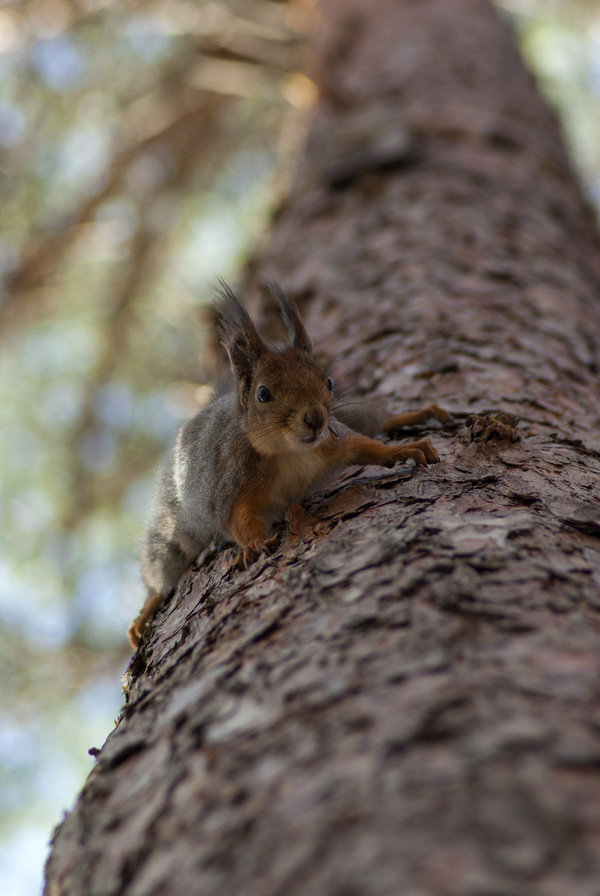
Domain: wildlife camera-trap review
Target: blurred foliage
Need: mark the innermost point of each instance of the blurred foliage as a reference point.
(138, 142)
(560, 40)
(141, 147)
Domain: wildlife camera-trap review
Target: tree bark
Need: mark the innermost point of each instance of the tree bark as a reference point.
(404, 699)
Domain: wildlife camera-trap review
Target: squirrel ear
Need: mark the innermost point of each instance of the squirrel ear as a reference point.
(244, 352)
(299, 338)
(239, 336)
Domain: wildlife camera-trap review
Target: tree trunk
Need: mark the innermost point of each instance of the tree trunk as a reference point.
(404, 699)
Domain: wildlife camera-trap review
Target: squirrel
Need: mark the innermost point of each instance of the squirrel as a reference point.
(239, 464)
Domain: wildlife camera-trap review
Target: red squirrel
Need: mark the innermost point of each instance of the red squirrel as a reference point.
(238, 465)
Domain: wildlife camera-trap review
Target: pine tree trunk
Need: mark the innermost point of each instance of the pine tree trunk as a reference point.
(404, 699)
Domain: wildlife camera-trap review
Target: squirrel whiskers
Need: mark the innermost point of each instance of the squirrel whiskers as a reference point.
(238, 465)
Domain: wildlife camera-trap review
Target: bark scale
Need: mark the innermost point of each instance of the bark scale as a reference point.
(405, 698)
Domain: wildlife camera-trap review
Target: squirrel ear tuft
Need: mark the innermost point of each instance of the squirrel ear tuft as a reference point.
(239, 336)
(299, 338)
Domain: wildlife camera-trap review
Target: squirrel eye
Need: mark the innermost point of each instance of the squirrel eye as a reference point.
(329, 383)
(263, 394)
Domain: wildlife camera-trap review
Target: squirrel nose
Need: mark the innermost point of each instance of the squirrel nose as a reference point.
(315, 419)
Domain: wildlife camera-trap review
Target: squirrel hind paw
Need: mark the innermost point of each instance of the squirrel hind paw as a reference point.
(245, 558)
(138, 626)
(134, 633)
(250, 554)
(269, 544)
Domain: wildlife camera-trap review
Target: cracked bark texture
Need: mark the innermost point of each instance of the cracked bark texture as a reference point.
(405, 698)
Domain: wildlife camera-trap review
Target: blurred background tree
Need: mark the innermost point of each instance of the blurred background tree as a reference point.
(142, 146)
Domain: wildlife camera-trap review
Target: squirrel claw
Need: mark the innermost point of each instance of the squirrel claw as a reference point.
(269, 545)
(248, 555)
(431, 455)
(245, 558)
(425, 453)
(422, 453)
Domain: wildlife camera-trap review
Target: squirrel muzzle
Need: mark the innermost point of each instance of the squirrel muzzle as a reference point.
(309, 424)
(316, 420)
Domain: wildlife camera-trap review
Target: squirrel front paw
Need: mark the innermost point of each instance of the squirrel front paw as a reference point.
(248, 555)
(421, 452)
(440, 414)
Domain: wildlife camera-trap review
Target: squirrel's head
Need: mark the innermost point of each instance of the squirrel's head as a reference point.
(284, 393)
